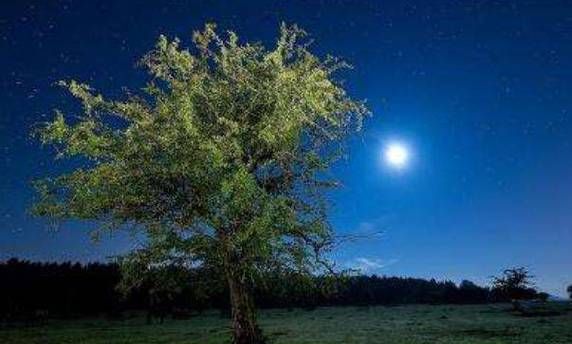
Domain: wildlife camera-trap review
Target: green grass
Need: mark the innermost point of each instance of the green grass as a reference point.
(388, 325)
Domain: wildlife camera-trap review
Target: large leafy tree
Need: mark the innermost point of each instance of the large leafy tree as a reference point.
(221, 161)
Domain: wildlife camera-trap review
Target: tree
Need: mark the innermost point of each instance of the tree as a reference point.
(569, 290)
(515, 284)
(469, 292)
(543, 296)
(221, 162)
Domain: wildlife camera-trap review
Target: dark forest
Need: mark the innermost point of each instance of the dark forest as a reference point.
(33, 291)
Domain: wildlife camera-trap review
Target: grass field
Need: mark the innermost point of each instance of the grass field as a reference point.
(388, 325)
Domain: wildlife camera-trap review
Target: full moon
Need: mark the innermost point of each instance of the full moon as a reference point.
(396, 155)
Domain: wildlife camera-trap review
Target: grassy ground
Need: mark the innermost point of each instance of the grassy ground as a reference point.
(388, 325)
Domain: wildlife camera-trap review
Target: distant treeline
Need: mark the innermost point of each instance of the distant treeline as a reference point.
(29, 289)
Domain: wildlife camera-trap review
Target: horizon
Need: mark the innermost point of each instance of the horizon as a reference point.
(478, 97)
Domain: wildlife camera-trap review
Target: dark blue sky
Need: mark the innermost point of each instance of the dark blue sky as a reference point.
(479, 90)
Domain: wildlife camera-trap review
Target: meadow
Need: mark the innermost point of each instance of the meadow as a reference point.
(445, 324)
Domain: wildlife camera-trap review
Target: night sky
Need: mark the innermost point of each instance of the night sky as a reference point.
(479, 91)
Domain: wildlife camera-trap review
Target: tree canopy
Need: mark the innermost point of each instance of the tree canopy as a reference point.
(516, 284)
(221, 161)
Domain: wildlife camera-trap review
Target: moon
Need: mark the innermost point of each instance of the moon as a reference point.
(396, 155)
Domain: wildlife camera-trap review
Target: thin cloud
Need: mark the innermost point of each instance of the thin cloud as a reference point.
(370, 265)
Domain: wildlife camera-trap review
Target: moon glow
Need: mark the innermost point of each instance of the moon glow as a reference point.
(396, 155)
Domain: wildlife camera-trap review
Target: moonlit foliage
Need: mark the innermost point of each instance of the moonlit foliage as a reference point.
(219, 162)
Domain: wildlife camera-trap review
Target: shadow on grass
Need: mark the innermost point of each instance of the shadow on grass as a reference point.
(483, 333)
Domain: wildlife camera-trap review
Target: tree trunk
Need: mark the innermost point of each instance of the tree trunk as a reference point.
(516, 306)
(245, 328)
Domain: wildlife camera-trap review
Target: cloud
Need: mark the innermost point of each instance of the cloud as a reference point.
(374, 227)
(370, 265)
(365, 231)
(367, 226)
